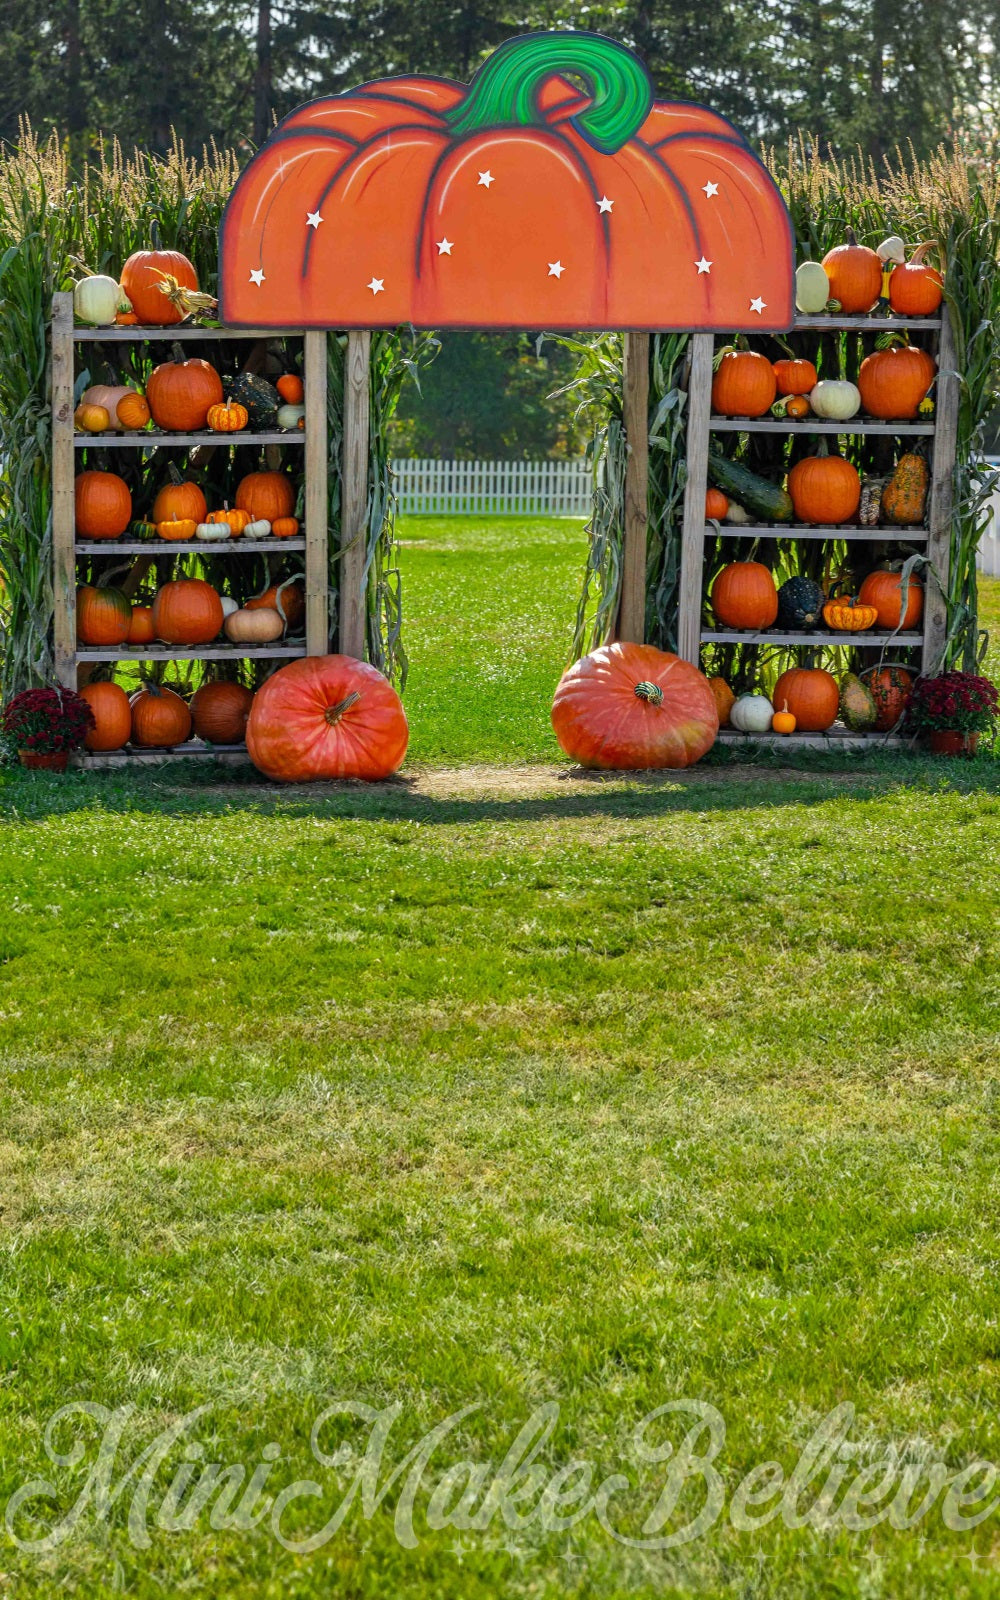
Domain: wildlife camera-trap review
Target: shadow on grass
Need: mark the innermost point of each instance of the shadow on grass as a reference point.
(727, 782)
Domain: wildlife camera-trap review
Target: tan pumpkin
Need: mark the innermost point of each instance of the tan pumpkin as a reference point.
(261, 625)
(904, 498)
(108, 395)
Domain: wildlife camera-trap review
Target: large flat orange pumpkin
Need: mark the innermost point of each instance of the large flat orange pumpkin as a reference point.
(327, 717)
(631, 706)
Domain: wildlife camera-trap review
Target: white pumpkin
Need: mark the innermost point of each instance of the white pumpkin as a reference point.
(736, 516)
(290, 416)
(892, 249)
(212, 531)
(752, 713)
(257, 530)
(812, 288)
(229, 605)
(259, 625)
(834, 399)
(96, 300)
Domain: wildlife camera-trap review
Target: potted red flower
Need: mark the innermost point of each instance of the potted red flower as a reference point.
(44, 725)
(952, 710)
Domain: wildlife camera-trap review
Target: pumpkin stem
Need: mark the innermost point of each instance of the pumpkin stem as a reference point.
(650, 692)
(333, 714)
(505, 90)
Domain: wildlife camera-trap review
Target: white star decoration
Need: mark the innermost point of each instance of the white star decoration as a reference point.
(444, 247)
(257, 275)
(377, 285)
(313, 219)
(485, 179)
(604, 204)
(709, 189)
(703, 266)
(556, 269)
(758, 305)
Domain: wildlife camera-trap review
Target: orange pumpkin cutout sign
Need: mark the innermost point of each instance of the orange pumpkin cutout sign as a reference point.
(520, 201)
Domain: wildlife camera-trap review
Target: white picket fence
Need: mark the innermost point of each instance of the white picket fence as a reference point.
(988, 554)
(540, 488)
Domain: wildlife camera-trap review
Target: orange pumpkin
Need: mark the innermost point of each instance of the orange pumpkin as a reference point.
(227, 417)
(220, 712)
(180, 499)
(915, 289)
(716, 505)
(140, 628)
(744, 596)
(795, 376)
(235, 520)
(103, 504)
(285, 527)
(744, 384)
(187, 611)
(783, 721)
(112, 716)
(132, 410)
(290, 388)
(108, 395)
(893, 382)
(160, 717)
(91, 419)
(891, 688)
(797, 407)
(143, 279)
(630, 706)
(288, 599)
(327, 717)
(181, 393)
(883, 590)
(811, 695)
(102, 615)
(855, 275)
(824, 490)
(266, 496)
(724, 699)
(178, 529)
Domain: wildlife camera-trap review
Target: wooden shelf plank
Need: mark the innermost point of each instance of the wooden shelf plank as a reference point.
(847, 430)
(137, 755)
(834, 324)
(156, 440)
(194, 652)
(794, 530)
(834, 739)
(870, 637)
(167, 547)
(179, 330)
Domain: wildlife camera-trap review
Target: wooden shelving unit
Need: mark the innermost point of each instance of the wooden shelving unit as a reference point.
(935, 536)
(312, 441)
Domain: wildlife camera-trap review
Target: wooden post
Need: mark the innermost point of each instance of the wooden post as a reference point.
(941, 497)
(316, 503)
(354, 497)
(635, 416)
(63, 508)
(699, 412)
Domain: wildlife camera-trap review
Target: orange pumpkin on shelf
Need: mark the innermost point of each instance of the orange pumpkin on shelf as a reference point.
(235, 520)
(783, 721)
(890, 688)
(227, 417)
(181, 393)
(795, 376)
(179, 499)
(811, 695)
(140, 628)
(724, 699)
(160, 718)
(187, 611)
(797, 407)
(220, 712)
(178, 529)
(629, 706)
(132, 411)
(825, 490)
(144, 278)
(285, 527)
(744, 596)
(102, 615)
(91, 419)
(266, 496)
(103, 504)
(108, 395)
(112, 716)
(716, 505)
(893, 382)
(288, 599)
(915, 289)
(744, 384)
(855, 275)
(883, 590)
(290, 388)
(327, 717)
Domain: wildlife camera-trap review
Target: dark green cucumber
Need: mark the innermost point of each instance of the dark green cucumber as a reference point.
(756, 495)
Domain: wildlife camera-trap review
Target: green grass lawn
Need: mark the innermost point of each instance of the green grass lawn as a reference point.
(489, 605)
(500, 1089)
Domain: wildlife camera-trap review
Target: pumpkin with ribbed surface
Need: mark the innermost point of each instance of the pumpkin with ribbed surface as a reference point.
(744, 384)
(180, 499)
(144, 277)
(883, 590)
(795, 376)
(724, 699)
(915, 289)
(743, 596)
(811, 695)
(112, 716)
(327, 717)
(893, 382)
(140, 629)
(220, 712)
(800, 604)
(825, 490)
(630, 706)
(266, 495)
(103, 505)
(160, 718)
(855, 275)
(181, 393)
(102, 615)
(187, 611)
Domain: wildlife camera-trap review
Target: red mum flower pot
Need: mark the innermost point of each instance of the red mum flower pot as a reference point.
(949, 742)
(55, 761)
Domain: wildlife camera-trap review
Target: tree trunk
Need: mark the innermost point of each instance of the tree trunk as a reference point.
(75, 115)
(262, 75)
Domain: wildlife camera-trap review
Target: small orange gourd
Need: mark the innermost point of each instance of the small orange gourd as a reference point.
(228, 417)
(92, 419)
(784, 721)
(177, 528)
(716, 505)
(285, 527)
(289, 386)
(846, 615)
